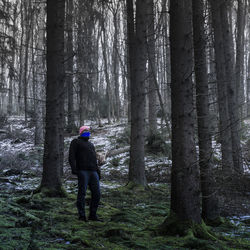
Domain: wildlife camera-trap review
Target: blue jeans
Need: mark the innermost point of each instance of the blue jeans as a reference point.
(88, 178)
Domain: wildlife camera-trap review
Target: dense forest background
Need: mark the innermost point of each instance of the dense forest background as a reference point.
(165, 86)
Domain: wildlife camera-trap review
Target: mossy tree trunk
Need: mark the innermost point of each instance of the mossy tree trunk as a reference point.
(53, 147)
(210, 210)
(185, 179)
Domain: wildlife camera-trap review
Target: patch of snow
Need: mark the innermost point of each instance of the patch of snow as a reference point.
(110, 185)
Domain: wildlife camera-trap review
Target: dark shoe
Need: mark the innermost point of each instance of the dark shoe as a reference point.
(83, 218)
(94, 218)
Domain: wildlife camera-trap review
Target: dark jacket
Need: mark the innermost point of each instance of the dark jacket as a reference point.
(82, 155)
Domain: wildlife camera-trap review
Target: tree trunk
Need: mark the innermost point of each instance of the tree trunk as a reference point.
(12, 62)
(233, 105)
(240, 55)
(210, 210)
(130, 49)
(224, 128)
(137, 45)
(20, 80)
(69, 66)
(27, 21)
(107, 78)
(115, 62)
(39, 92)
(152, 116)
(185, 192)
(52, 160)
(248, 87)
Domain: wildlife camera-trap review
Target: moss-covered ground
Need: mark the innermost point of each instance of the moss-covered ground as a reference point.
(131, 219)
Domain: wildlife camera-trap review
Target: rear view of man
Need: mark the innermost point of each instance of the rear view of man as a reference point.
(83, 162)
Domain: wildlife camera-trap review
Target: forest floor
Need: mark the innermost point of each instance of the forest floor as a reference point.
(131, 218)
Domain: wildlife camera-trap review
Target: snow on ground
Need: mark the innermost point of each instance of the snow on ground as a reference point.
(7, 145)
(104, 138)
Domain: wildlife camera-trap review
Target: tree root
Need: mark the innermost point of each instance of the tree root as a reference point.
(135, 186)
(174, 226)
(51, 192)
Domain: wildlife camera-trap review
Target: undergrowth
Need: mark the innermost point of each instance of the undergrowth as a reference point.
(131, 220)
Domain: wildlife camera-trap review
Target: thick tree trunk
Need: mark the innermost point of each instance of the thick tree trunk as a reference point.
(53, 147)
(130, 49)
(85, 26)
(210, 209)
(138, 72)
(69, 65)
(12, 63)
(107, 78)
(233, 105)
(152, 104)
(12, 66)
(224, 128)
(39, 88)
(240, 55)
(115, 62)
(20, 80)
(248, 87)
(27, 13)
(185, 191)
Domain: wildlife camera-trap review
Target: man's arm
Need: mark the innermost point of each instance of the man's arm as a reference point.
(72, 156)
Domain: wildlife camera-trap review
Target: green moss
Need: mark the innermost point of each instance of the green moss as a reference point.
(175, 226)
(51, 192)
(134, 187)
(131, 217)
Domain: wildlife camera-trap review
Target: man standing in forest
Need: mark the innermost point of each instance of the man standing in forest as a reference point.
(83, 162)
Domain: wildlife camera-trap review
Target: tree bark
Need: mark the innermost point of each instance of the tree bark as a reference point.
(210, 209)
(69, 65)
(39, 92)
(20, 80)
(52, 160)
(80, 62)
(233, 105)
(130, 49)
(105, 60)
(115, 62)
(185, 191)
(224, 125)
(239, 68)
(27, 21)
(137, 45)
(152, 104)
(12, 62)
(248, 87)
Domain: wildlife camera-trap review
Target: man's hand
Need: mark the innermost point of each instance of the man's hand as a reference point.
(100, 159)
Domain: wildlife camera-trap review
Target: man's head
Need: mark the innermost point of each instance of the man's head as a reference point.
(84, 131)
